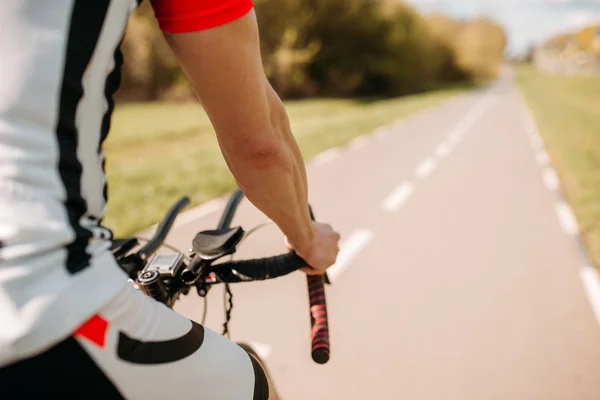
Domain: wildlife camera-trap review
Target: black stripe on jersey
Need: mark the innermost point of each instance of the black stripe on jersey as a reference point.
(113, 82)
(87, 19)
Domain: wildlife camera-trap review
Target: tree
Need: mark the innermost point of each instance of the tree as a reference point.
(333, 48)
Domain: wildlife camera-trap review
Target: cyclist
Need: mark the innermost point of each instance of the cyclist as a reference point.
(70, 325)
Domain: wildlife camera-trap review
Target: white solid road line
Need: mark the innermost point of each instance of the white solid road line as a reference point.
(591, 283)
(326, 156)
(533, 134)
(349, 249)
(398, 197)
(382, 133)
(537, 143)
(567, 219)
(531, 129)
(550, 178)
(443, 149)
(589, 275)
(535, 138)
(455, 138)
(359, 142)
(542, 157)
(426, 167)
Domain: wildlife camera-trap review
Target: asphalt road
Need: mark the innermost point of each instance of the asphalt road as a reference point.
(459, 277)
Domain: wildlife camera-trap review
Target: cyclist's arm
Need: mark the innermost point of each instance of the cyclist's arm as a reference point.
(224, 65)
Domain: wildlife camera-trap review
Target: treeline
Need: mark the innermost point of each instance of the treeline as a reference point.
(333, 48)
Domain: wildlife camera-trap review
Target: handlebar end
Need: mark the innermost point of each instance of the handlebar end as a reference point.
(320, 356)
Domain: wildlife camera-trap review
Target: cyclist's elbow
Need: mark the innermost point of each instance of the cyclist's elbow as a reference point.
(269, 147)
(268, 153)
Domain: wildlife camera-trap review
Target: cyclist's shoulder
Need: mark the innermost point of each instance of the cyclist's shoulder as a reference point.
(178, 16)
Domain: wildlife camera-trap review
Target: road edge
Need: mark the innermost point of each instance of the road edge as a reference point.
(588, 273)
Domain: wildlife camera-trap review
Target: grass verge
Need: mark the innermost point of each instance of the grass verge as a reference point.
(157, 152)
(567, 112)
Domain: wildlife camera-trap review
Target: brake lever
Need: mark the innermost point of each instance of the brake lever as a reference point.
(120, 247)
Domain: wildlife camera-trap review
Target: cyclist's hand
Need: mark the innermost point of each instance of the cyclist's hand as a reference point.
(323, 251)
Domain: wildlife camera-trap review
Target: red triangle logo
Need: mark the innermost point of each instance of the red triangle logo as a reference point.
(94, 330)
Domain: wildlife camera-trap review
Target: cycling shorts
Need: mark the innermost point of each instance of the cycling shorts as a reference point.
(137, 348)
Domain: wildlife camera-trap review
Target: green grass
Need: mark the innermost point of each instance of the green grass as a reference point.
(567, 111)
(157, 152)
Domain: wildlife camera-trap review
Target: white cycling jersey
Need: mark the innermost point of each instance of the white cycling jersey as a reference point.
(67, 316)
(59, 67)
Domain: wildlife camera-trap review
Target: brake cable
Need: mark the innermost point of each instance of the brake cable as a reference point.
(205, 310)
(228, 309)
(228, 294)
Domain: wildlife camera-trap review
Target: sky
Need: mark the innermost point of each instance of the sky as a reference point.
(526, 21)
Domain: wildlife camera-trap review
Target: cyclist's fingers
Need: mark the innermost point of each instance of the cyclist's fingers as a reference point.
(311, 271)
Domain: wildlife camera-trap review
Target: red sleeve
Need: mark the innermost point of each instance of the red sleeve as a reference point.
(178, 16)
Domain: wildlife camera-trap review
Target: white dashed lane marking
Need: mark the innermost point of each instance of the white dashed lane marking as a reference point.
(398, 197)
(443, 149)
(426, 167)
(348, 251)
(542, 157)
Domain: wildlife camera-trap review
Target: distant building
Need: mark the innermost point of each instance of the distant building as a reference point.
(596, 42)
(573, 54)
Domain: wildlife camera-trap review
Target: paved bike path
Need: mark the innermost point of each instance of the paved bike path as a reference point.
(462, 284)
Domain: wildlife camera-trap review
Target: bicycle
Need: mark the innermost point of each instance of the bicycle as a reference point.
(167, 276)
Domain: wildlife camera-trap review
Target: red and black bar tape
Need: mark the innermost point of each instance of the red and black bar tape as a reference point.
(319, 333)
